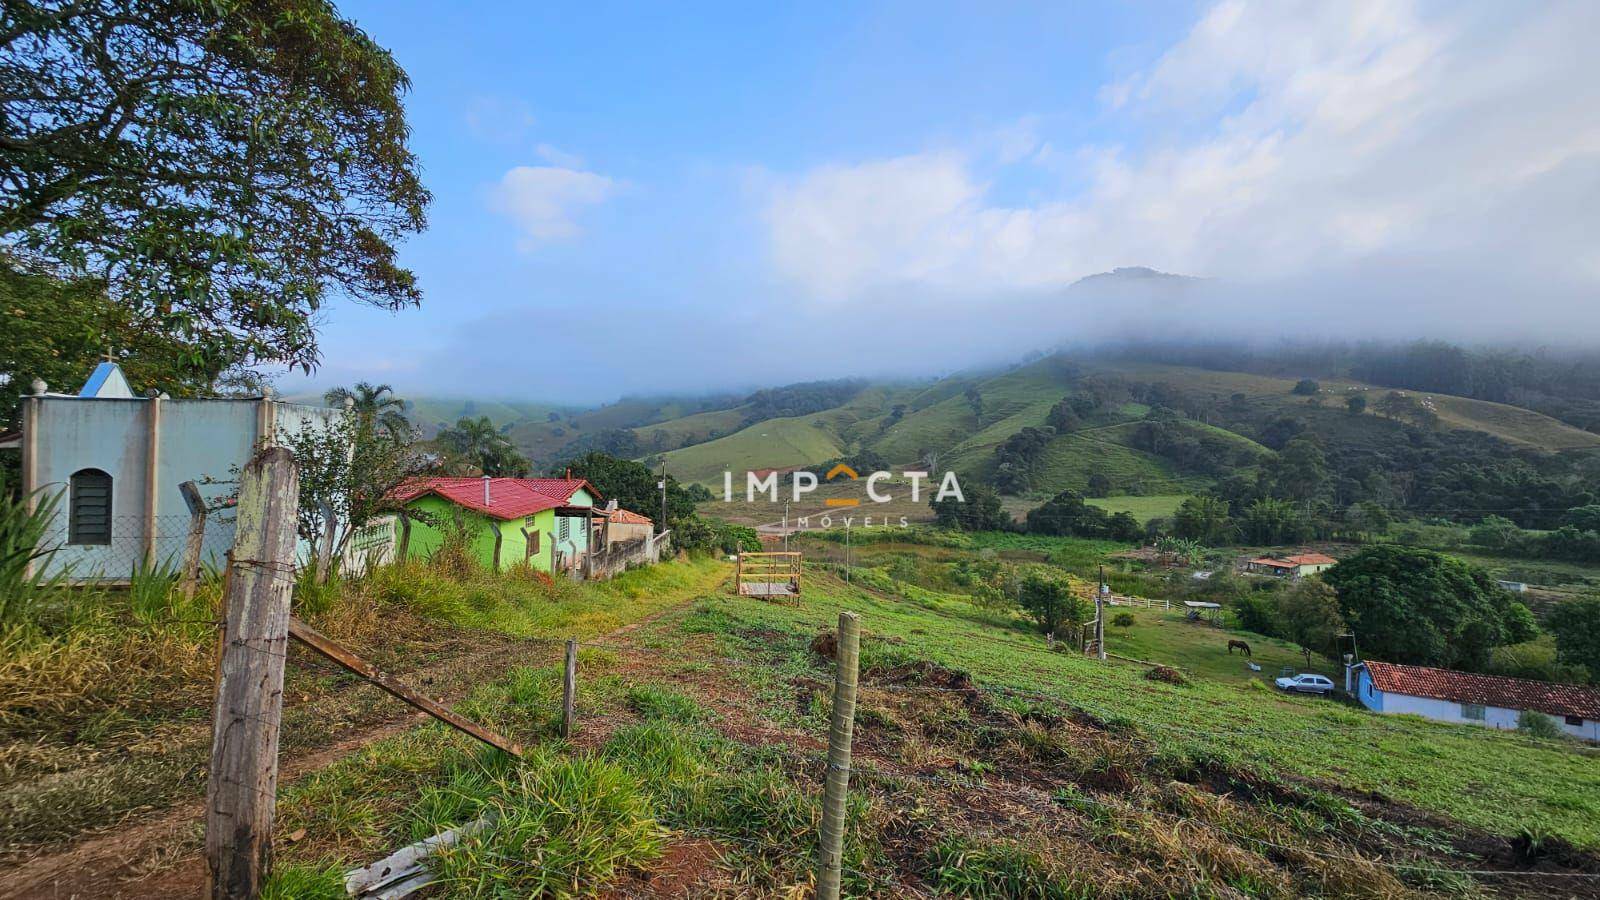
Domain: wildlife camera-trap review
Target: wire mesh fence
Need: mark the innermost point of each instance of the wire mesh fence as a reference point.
(131, 544)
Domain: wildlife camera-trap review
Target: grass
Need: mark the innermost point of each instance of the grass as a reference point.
(774, 443)
(1497, 781)
(1165, 636)
(105, 694)
(1144, 508)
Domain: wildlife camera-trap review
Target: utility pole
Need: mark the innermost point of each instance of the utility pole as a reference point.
(1100, 615)
(786, 526)
(662, 525)
(847, 554)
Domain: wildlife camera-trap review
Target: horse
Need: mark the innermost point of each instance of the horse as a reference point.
(1239, 644)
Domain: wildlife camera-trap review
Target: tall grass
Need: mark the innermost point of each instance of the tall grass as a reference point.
(23, 533)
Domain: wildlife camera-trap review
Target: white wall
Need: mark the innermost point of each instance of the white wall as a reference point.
(1494, 716)
(199, 440)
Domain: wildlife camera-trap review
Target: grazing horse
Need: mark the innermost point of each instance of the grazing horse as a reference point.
(1239, 644)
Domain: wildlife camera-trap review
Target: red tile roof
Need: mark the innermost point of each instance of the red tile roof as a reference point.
(1289, 562)
(509, 498)
(628, 517)
(1487, 690)
(560, 488)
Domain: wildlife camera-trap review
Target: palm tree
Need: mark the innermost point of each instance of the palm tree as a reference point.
(479, 443)
(374, 403)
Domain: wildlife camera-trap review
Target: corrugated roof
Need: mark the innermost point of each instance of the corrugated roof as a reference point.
(1553, 698)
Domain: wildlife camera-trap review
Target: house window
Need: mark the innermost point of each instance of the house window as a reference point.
(89, 507)
(564, 532)
(532, 534)
(1473, 711)
(1575, 720)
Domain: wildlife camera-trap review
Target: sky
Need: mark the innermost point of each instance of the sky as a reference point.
(637, 200)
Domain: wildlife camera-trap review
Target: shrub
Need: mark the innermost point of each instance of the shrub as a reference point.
(1537, 724)
(1123, 620)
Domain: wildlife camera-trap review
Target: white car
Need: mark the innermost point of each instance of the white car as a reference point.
(1305, 684)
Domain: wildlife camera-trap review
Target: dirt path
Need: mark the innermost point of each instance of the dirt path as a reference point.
(159, 854)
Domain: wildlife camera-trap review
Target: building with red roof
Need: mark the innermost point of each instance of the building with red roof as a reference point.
(1490, 700)
(1297, 565)
(544, 522)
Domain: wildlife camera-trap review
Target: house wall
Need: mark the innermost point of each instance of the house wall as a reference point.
(426, 537)
(629, 531)
(195, 440)
(1450, 711)
(577, 541)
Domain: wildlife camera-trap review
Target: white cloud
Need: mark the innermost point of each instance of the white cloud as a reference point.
(544, 200)
(1312, 135)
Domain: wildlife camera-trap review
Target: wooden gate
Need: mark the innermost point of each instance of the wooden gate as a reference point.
(775, 574)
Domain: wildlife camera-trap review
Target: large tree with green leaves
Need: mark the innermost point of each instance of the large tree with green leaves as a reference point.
(631, 484)
(1417, 606)
(1576, 626)
(224, 167)
(56, 331)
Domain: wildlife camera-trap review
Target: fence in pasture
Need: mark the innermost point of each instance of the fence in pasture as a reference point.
(1146, 602)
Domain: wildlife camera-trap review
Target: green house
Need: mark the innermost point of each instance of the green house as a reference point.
(547, 522)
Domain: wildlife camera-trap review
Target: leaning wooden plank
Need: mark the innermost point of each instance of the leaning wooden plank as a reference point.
(309, 636)
(404, 868)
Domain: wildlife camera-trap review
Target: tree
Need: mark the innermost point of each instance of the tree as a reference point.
(1368, 517)
(1583, 518)
(375, 405)
(1408, 605)
(1309, 615)
(348, 469)
(477, 444)
(633, 485)
(224, 167)
(1122, 526)
(1356, 404)
(1067, 514)
(1495, 533)
(1203, 518)
(1049, 601)
(1576, 626)
(981, 511)
(58, 330)
(1305, 387)
(1100, 484)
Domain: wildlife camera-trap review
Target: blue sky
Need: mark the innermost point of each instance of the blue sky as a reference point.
(677, 199)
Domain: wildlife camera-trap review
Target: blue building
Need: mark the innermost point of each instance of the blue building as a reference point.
(115, 459)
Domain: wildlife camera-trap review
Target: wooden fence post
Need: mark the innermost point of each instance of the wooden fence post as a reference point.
(405, 536)
(569, 689)
(195, 544)
(830, 854)
(243, 782)
(330, 528)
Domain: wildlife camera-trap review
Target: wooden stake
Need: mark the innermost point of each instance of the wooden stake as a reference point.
(330, 528)
(569, 689)
(244, 752)
(195, 544)
(314, 639)
(830, 856)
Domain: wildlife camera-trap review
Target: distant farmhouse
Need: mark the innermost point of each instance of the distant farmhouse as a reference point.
(1489, 700)
(1296, 566)
(116, 459)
